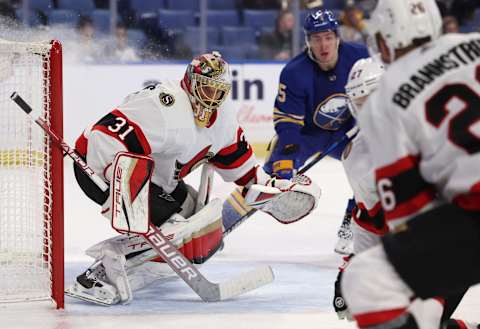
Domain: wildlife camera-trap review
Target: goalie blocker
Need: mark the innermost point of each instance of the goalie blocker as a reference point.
(162, 205)
(130, 204)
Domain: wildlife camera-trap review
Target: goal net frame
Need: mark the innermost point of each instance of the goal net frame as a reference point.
(48, 222)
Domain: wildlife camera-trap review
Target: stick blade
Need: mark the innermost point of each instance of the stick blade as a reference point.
(246, 282)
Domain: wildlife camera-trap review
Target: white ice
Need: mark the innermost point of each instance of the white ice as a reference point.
(301, 255)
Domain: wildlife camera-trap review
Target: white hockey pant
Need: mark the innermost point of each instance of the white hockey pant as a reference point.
(377, 296)
(363, 239)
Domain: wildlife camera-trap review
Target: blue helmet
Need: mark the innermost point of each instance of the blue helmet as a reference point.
(320, 21)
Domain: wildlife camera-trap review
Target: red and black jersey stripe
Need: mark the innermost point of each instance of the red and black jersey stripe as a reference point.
(411, 191)
(81, 145)
(235, 155)
(372, 220)
(135, 141)
(249, 177)
(469, 201)
(372, 319)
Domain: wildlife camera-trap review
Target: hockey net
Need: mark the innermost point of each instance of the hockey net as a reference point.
(31, 174)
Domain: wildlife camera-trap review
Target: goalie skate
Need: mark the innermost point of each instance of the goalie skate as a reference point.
(91, 286)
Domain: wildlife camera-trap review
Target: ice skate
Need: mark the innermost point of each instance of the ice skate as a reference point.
(92, 286)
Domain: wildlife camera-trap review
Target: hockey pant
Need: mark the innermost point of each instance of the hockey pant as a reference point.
(363, 239)
(434, 256)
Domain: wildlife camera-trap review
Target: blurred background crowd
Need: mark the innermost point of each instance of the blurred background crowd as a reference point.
(152, 30)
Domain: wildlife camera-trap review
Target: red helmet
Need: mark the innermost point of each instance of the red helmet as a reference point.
(207, 82)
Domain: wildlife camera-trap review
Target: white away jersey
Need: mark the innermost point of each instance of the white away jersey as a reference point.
(423, 127)
(158, 121)
(358, 167)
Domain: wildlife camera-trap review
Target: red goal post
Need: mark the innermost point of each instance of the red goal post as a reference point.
(31, 174)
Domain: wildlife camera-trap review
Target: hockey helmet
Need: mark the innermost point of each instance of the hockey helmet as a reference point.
(207, 82)
(362, 81)
(320, 21)
(401, 22)
(317, 22)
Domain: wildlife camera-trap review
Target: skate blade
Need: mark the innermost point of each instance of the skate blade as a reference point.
(91, 299)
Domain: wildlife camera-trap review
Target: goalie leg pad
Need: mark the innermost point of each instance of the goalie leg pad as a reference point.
(149, 272)
(114, 262)
(199, 236)
(112, 255)
(140, 269)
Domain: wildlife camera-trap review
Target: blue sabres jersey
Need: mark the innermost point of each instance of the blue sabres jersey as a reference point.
(307, 96)
(304, 88)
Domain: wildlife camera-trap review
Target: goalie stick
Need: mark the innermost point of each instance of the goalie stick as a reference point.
(235, 198)
(208, 291)
(205, 187)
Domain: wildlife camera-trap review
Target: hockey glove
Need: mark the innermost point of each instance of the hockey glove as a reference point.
(287, 168)
(286, 200)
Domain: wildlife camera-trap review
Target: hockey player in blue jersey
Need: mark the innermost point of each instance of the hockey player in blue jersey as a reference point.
(310, 109)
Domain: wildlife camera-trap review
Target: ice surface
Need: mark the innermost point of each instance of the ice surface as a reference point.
(301, 255)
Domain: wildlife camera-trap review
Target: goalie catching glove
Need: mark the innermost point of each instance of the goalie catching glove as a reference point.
(286, 200)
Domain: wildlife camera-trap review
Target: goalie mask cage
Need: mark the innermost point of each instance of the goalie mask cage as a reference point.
(31, 174)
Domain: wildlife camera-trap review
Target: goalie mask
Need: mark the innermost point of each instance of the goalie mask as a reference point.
(362, 81)
(207, 82)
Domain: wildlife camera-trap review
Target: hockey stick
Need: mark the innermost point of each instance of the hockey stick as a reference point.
(205, 187)
(208, 291)
(237, 200)
(347, 137)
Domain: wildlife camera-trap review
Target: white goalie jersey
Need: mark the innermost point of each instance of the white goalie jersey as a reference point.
(423, 127)
(158, 121)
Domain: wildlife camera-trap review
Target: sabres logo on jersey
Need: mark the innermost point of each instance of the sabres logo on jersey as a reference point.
(167, 99)
(331, 113)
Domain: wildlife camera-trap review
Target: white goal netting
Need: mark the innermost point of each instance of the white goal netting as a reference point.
(25, 174)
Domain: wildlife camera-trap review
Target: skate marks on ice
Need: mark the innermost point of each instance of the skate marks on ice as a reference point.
(297, 288)
(300, 296)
